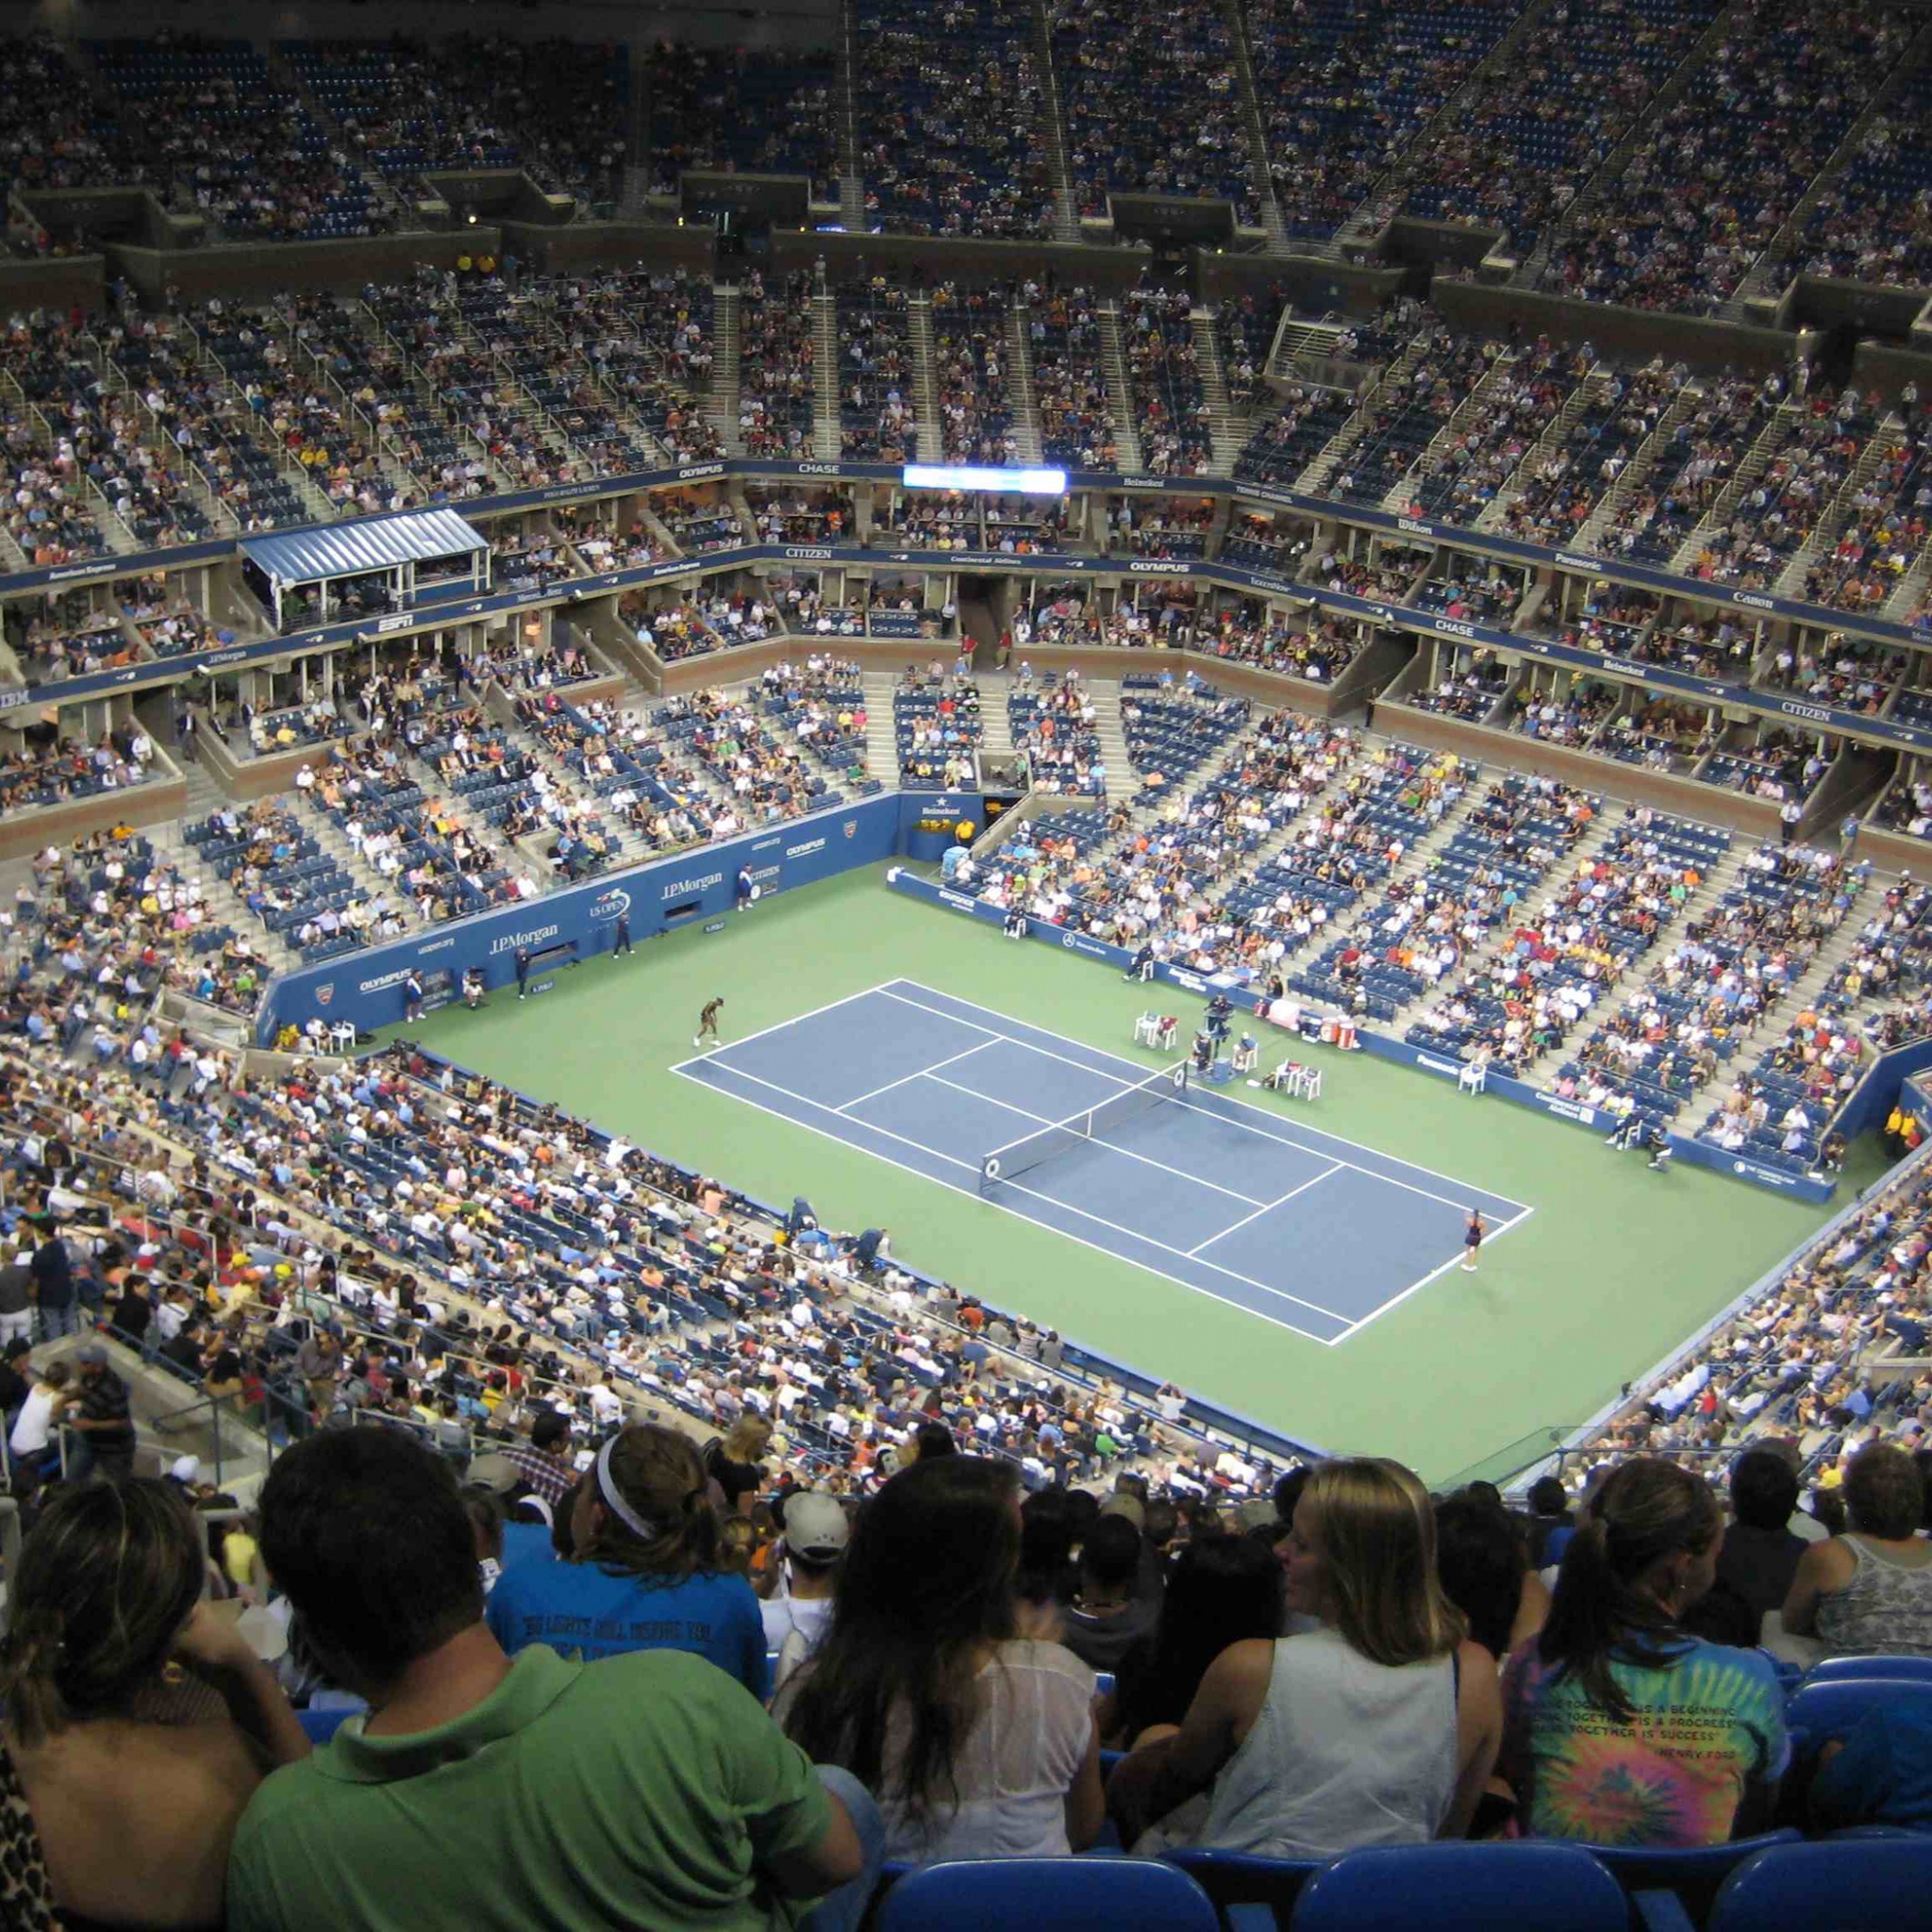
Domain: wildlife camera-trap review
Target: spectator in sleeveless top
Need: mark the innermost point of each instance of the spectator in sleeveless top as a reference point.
(1622, 1727)
(1378, 1727)
(1221, 1590)
(976, 1741)
(133, 1718)
(1869, 1592)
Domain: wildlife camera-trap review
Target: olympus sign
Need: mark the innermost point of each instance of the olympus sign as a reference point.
(803, 851)
(678, 888)
(511, 940)
(691, 471)
(1146, 568)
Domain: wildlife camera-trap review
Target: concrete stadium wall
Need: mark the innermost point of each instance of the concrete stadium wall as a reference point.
(343, 266)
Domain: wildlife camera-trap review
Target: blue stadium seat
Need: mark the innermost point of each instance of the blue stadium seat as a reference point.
(322, 1724)
(1835, 1670)
(1249, 1893)
(1876, 1885)
(1463, 1888)
(1830, 1708)
(1067, 1895)
(1693, 1872)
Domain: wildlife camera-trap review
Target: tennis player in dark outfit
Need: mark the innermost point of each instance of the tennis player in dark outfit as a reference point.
(1472, 1242)
(708, 1023)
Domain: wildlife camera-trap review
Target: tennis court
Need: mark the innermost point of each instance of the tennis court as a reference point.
(1269, 1213)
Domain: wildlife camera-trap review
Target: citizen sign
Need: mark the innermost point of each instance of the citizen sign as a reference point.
(1816, 713)
(806, 551)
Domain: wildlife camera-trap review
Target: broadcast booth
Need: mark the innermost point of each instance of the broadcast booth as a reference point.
(371, 568)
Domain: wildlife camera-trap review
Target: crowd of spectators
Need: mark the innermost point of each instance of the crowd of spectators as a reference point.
(876, 409)
(971, 358)
(1693, 207)
(1070, 386)
(1164, 379)
(951, 117)
(761, 110)
(1152, 106)
(776, 350)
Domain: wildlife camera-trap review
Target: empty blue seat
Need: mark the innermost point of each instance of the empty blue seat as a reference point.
(1836, 1669)
(1873, 1885)
(1694, 1873)
(1066, 1894)
(1530, 1886)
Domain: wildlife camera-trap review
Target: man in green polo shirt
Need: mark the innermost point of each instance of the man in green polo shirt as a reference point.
(646, 1793)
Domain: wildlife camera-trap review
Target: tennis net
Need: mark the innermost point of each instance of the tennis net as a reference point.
(1023, 1156)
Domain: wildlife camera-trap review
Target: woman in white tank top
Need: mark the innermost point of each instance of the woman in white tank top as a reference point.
(1378, 1727)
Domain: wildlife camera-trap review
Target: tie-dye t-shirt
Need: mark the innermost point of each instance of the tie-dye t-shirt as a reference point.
(1674, 1775)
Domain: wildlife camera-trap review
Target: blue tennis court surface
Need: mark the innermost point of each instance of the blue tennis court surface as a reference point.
(1274, 1215)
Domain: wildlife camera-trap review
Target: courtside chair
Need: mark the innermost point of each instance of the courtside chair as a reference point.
(1051, 1895)
(1873, 1885)
(1528, 1887)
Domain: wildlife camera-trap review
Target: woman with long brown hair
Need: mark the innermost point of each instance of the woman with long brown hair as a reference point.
(977, 1742)
(1378, 1727)
(1622, 1728)
(135, 1724)
(646, 1572)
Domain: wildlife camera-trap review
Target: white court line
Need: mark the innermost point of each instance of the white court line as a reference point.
(1434, 1274)
(905, 1079)
(1459, 1201)
(1266, 1208)
(998, 1207)
(745, 1040)
(1065, 1206)
(1111, 1146)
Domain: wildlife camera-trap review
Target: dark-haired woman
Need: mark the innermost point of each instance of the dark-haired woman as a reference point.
(1223, 1590)
(1621, 1728)
(646, 1572)
(134, 1722)
(976, 1743)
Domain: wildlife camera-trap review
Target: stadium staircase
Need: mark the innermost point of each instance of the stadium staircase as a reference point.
(1783, 422)
(1020, 384)
(881, 728)
(1609, 513)
(394, 472)
(1223, 431)
(1913, 590)
(425, 398)
(1384, 199)
(1066, 205)
(223, 903)
(925, 388)
(1545, 449)
(1272, 222)
(1112, 733)
(1842, 508)
(824, 320)
(1531, 271)
(1474, 407)
(1328, 462)
(722, 409)
(851, 183)
(223, 396)
(222, 520)
(1775, 266)
(1119, 394)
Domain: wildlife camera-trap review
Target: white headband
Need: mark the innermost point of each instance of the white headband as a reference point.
(613, 1498)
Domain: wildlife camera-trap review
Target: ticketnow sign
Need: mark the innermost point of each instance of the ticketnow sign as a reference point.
(367, 988)
(1384, 1046)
